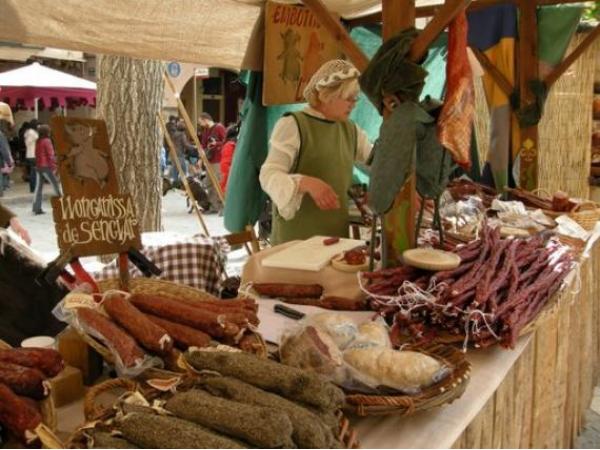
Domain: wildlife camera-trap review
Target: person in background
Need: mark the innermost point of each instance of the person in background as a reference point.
(30, 137)
(212, 138)
(9, 219)
(227, 154)
(45, 167)
(308, 170)
(182, 147)
(6, 160)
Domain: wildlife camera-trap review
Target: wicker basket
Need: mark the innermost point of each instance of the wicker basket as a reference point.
(164, 289)
(98, 414)
(441, 393)
(49, 417)
(586, 213)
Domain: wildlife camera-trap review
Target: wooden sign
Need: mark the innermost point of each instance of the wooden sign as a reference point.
(92, 217)
(296, 45)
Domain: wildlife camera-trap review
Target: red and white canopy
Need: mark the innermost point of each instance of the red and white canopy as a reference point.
(21, 87)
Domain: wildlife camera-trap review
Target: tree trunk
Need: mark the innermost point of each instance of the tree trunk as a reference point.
(130, 95)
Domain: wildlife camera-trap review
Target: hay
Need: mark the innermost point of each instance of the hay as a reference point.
(565, 131)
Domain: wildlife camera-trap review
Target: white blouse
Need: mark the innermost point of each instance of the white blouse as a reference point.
(275, 177)
(30, 137)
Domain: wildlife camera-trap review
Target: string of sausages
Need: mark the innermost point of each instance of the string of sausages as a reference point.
(159, 324)
(500, 287)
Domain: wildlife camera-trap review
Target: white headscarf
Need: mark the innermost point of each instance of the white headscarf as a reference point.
(330, 74)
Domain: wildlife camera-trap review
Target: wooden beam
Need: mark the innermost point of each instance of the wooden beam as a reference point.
(500, 79)
(528, 65)
(335, 27)
(569, 60)
(440, 21)
(431, 10)
(398, 16)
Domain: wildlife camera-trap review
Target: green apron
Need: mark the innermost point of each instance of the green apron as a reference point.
(327, 151)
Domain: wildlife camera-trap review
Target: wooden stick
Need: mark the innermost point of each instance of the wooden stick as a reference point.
(190, 128)
(569, 60)
(500, 79)
(337, 30)
(175, 160)
(123, 263)
(440, 21)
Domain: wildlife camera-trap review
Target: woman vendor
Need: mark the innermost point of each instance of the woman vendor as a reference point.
(312, 152)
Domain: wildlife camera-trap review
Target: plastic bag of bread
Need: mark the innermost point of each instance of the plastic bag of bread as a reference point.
(381, 370)
(340, 327)
(307, 347)
(374, 333)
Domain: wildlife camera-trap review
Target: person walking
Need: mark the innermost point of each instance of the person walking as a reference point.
(30, 137)
(182, 147)
(45, 167)
(212, 139)
(6, 161)
(227, 154)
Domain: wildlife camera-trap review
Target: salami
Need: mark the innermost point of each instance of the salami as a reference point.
(211, 323)
(288, 290)
(146, 332)
(23, 380)
(47, 360)
(111, 335)
(17, 415)
(183, 335)
(243, 310)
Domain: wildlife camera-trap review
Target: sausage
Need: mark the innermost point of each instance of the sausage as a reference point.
(211, 323)
(47, 360)
(288, 290)
(17, 415)
(112, 335)
(237, 307)
(331, 241)
(146, 332)
(343, 304)
(183, 335)
(23, 380)
(251, 343)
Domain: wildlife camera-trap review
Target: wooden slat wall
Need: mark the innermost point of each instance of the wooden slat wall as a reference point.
(543, 399)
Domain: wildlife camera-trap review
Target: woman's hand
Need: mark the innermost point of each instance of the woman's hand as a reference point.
(323, 195)
(20, 230)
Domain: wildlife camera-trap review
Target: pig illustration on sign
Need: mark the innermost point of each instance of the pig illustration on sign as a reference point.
(290, 70)
(86, 161)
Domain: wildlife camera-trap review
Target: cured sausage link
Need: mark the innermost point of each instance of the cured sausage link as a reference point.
(211, 323)
(112, 335)
(23, 380)
(47, 360)
(288, 290)
(150, 335)
(17, 415)
(183, 335)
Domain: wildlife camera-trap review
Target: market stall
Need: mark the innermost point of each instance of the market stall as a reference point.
(525, 377)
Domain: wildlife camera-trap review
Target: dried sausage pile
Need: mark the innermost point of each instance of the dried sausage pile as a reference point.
(23, 374)
(499, 288)
(141, 322)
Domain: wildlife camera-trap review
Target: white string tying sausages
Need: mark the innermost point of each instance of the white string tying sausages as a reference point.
(410, 296)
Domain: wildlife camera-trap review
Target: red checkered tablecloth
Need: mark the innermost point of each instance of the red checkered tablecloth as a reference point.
(197, 261)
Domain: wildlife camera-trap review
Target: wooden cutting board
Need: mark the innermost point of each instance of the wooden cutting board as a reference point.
(310, 254)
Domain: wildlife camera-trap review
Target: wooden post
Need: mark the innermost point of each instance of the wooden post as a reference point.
(528, 70)
(175, 160)
(399, 223)
(190, 128)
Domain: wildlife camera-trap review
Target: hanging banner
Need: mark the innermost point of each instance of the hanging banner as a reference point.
(296, 45)
(92, 217)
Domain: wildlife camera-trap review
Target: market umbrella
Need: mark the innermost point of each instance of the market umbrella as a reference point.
(26, 86)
